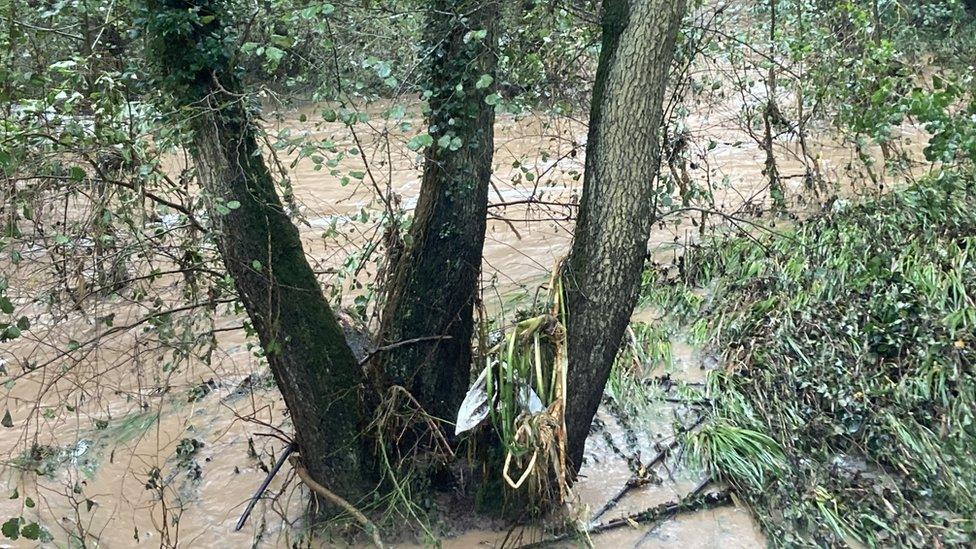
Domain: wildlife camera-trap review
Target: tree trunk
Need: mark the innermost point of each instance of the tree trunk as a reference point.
(315, 370)
(433, 290)
(313, 366)
(616, 213)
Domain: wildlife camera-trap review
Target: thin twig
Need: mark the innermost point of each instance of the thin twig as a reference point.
(403, 343)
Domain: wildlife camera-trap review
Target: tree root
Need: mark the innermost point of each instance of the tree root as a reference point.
(338, 501)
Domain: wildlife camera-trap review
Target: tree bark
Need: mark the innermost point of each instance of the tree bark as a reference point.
(314, 368)
(434, 286)
(616, 212)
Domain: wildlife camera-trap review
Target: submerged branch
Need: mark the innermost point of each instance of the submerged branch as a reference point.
(634, 481)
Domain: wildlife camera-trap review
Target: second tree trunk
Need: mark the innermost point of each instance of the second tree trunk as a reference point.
(435, 283)
(616, 212)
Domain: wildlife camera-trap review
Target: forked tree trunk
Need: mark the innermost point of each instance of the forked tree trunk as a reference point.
(432, 293)
(313, 366)
(616, 212)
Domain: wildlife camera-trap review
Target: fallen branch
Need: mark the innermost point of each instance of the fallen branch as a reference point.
(403, 343)
(338, 501)
(652, 515)
(634, 480)
(694, 493)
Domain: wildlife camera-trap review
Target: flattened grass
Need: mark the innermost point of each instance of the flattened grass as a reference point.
(845, 413)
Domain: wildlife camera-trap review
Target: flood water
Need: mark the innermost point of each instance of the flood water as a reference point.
(167, 451)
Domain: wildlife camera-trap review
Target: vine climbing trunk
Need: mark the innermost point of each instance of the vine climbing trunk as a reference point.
(313, 366)
(432, 293)
(616, 212)
(771, 117)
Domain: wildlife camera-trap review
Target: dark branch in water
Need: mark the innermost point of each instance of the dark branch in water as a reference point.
(694, 493)
(264, 485)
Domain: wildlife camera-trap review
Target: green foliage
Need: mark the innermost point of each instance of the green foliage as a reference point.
(747, 456)
(18, 527)
(847, 411)
(193, 34)
(462, 41)
(948, 113)
(546, 51)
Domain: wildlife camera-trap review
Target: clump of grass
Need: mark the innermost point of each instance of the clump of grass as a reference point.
(847, 410)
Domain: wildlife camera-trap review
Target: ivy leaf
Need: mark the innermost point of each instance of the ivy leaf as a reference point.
(484, 81)
(11, 528)
(479, 34)
(397, 111)
(7, 422)
(77, 173)
(274, 54)
(31, 531)
(420, 141)
(282, 41)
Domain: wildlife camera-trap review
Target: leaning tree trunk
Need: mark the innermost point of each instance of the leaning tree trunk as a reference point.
(616, 212)
(313, 366)
(428, 315)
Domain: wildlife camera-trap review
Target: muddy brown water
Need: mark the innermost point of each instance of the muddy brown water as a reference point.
(125, 465)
